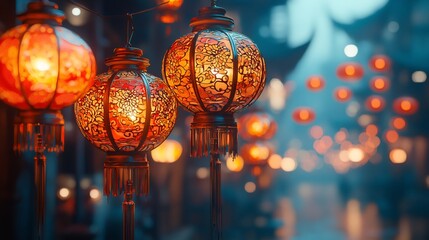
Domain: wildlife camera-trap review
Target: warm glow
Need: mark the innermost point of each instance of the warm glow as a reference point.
(342, 94)
(340, 136)
(315, 83)
(375, 103)
(380, 63)
(356, 154)
(259, 152)
(274, 161)
(288, 164)
(392, 136)
(303, 115)
(94, 194)
(63, 193)
(379, 84)
(406, 105)
(398, 155)
(169, 151)
(41, 64)
(399, 123)
(202, 173)
(344, 155)
(250, 187)
(235, 164)
(350, 70)
(371, 130)
(351, 50)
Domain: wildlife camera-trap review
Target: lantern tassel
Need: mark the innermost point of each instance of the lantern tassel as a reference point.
(201, 140)
(40, 183)
(120, 170)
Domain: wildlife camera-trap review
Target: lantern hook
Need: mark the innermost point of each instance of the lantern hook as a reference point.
(130, 29)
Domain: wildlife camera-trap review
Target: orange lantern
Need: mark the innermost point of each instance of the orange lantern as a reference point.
(303, 115)
(315, 83)
(342, 94)
(257, 126)
(350, 71)
(44, 67)
(168, 152)
(379, 84)
(405, 105)
(379, 63)
(256, 153)
(126, 113)
(375, 103)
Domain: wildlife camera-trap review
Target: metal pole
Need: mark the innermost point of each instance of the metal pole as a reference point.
(215, 191)
(40, 182)
(128, 213)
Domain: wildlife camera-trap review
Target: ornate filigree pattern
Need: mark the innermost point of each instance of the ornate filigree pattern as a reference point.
(212, 73)
(44, 67)
(127, 112)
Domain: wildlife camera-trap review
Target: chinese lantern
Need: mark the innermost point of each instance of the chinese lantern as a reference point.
(44, 67)
(379, 84)
(168, 152)
(350, 71)
(379, 63)
(375, 103)
(342, 94)
(126, 113)
(303, 115)
(168, 11)
(257, 126)
(213, 73)
(315, 83)
(405, 105)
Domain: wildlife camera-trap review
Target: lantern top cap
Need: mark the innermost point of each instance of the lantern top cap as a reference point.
(212, 17)
(42, 12)
(127, 58)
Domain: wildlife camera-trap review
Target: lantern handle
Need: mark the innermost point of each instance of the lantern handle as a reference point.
(130, 29)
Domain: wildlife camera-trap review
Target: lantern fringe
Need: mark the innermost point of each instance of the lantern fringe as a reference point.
(213, 140)
(25, 135)
(116, 179)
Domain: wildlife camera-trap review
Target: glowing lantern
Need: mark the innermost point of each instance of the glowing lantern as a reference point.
(375, 103)
(168, 11)
(168, 152)
(126, 113)
(379, 63)
(44, 67)
(235, 164)
(255, 153)
(405, 105)
(315, 83)
(213, 73)
(379, 84)
(398, 123)
(257, 126)
(342, 94)
(303, 115)
(350, 71)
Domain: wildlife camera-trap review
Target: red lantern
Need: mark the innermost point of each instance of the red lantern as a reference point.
(375, 103)
(315, 83)
(379, 84)
(342, 94)
(168, 11)
(405, 105)
(303, 115)
(350, 71)
(256, 126)
(379, 63)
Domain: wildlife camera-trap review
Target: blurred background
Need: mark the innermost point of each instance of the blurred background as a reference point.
(335, 148)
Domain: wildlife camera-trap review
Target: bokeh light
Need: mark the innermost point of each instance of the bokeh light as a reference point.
(398, 155)
(235, 164)
(250, 187)
(288, 164)
(63, 193)
(351, 50)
